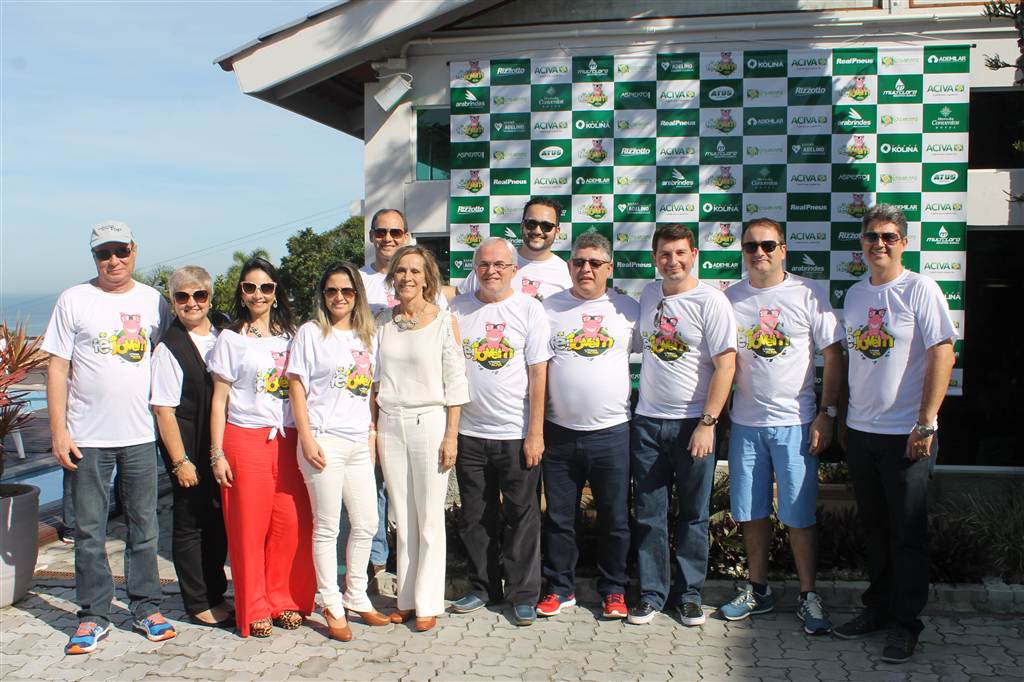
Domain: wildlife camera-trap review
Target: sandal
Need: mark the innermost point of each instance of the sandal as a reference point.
(261, 628)
(288, 620)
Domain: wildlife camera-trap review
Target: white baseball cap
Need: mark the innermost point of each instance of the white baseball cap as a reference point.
(110, 231)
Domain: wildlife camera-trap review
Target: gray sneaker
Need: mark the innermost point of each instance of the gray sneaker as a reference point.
(812, 612)
(748, 603)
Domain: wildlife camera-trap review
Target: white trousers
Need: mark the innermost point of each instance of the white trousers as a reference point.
(347, 477)
(416, 491)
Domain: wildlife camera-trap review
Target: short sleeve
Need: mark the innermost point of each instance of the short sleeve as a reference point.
(453, 366)
(538, 332)
(300, 356)
(224, 360)
(167, 378)
(59, 339)
(824, 323)
(719, 324)
(933, 318)
(165, 318)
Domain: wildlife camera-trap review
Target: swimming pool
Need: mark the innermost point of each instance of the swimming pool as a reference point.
(49, 481)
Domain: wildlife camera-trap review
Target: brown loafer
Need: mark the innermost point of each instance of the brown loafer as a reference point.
(337, 628)
(402, 616)
(372, 618)
(424, 624)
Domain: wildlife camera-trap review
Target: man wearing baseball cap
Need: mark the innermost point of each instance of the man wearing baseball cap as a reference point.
(104, 330)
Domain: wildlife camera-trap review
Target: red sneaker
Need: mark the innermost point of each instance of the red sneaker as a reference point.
(553, 604)
(615, 606)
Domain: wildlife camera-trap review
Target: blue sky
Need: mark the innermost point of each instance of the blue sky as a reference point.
(116, 110)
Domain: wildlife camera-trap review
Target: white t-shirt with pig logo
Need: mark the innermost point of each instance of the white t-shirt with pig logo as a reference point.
(380, 296)
(889, 329)
(499, 341)
(681, 334)
(779, 328)
(108, 338)
(337, 372)
(536, 278)
(588, 374)
(255, 368)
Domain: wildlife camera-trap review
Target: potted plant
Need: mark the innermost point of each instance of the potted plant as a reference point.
(19, 504)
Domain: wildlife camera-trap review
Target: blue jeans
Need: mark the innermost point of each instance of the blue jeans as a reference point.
(661, 460)
(137, 467)
(379, 549)
(571, 458)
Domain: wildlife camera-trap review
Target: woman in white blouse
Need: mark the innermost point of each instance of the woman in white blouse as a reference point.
(420, 386)
(180, 399)
(330, 373)
(253, 441)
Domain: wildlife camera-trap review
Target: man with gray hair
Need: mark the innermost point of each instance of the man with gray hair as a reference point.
(900, 338)
(586, 435)
(501, 434)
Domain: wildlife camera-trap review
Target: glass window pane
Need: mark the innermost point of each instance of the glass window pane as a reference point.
(433, 133)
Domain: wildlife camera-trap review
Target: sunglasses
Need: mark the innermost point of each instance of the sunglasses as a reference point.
(887, 237)
(543, 225)
(767, 246)
(200, 296)
(121, 252)
(484, 266)
(381, 232)
(267, 288)
(592, 262)
(334, 292)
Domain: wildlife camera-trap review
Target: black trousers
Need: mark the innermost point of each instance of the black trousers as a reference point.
(199, 544)
(892, 501)
(500, 519)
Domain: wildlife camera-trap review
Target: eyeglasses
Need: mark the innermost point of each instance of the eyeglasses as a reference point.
(200, 296)
(267, 288)
(543, 225)
(887, 237)
(767, 246)
(334, 292)
(484, 266)
(592, 262)
(381, 232)
(121, 252)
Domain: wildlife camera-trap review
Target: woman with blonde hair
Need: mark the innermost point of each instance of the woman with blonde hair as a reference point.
(330, 374)
(181, 393)
(420, 386)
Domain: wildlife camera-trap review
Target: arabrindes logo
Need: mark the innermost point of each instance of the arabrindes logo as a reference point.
(591, 340)
(873, 340)
(810, 264)
(767, 338)
(491, 352)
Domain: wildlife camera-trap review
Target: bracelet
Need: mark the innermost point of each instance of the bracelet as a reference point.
(216, 454)
(177, 467)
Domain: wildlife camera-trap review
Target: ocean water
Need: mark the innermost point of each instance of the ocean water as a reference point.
(34, 308)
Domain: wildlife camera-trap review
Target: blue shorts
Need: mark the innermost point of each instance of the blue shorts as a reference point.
(758, 452)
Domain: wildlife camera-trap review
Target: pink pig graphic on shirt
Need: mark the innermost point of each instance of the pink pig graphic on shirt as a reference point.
(872, 340)
(131, 324)
(592, 328)
(769, 320)
(494, 332)
(362, 367)
(666, 329)
(875, 318)
(280, 362)
(531, 287)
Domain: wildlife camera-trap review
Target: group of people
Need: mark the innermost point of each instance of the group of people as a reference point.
(276, 434)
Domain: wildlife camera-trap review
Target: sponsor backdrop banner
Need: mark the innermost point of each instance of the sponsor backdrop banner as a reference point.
(810, 138)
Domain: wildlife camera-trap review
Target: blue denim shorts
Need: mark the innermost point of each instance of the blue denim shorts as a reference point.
(759, 454)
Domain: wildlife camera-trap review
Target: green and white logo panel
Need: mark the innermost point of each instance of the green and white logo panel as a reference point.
(469, 209)
(550, 124)
(809, 63)
(591, 153)
(592, 208)
(900, 118)
(510, 231)
(467, 236)
(678, 66)
(678, 94)
(678, 180)
(855, 61)
(550, 153)
(803, 120)
(851, 205)
(943, 236)
(845, 236)
(635, 95)
(636, 123)
(908, 202)
(853, 177)
(515, 154)
(761, 150)
(633, 236)
(510, 72)
(764, 178)
(765, 206)
(854, 90)
(715, 179)
(813, 207)
(593, 96)
(810, 92)
(593, 69)
(722, 121)
(717, 65)
(857, 148)
(765, 92)
(471, 128)
(461, 263)
(719, 236)
(955, 291)
(550, 71)
(635, 69)
(809, 149)
(944, 207)
(807, 236)
(947, 59)
(945, 118)
(551, 97)
(679, 123)
(551, 180)
(593, 180)
(944, 147)
(764, 63)
(809, 264)
(593, 124)
(635, 151)
(510, 127)
(469, 155)
(678, 208)
(847, 265)
(899, 177)
(634, 208)
(474, 73)
(944, 177)
(726, 150)
(720, 207)
(603, 229)
(944, 265)
(634, 265)
(808, 177)
(466, 101)
(470, 183)
(900, 60)
(764, 120)
(510, 99)
(719, 265)
(635, 179)
(837, 293)
(678, 151)
(506, 181)
(946, 87)
(901, 89)
(854, 119)
(899, 148)
(507, 208)
(725, 93)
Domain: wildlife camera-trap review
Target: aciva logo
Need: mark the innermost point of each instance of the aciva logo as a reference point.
(273, 381)
(129, 343)
(590, 341)
(665, 342)
(766, 339)
(873, 340)
(491, 352)
(356, 379)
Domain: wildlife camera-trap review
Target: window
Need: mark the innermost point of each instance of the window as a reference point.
(997, 129)
(437, 244)
(433, 133)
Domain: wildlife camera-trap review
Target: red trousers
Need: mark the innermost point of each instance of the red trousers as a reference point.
(269, 523)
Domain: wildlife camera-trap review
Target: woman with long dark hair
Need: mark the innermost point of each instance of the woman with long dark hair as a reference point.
(330, 372)
(252, 445)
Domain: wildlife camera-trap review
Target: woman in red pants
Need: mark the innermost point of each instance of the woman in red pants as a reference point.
(252, 444)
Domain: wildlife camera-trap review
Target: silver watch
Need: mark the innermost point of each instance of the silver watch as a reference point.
(925, 431)
(831, 411)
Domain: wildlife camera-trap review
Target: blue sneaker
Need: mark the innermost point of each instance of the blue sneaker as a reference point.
(812, 612)
(155, 627)
(748, 603)
(524, 614)
(468, 604)
(86, 638)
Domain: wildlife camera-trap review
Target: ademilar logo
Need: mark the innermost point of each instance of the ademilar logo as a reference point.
(358, 377)
(873, 340)
(129, 343)
(491, 352)
(273, 381)
(665, 342)
(590, 341)
(767, 338)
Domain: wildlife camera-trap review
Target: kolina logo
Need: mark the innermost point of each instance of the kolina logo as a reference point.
(856, 208)
(943, 238)
(857, 90)
(723, 237)
(945, 177)
(590, 341)
(766, 339)
(873, 340)
(855, 266)
(493, 351)
(723, 124)
(888, 148)
(587, 124)
(764, 63)
(473, 128)
(724, 65)
(723, 179)
(711, 208)
(596, 97)
(473, 184)
(665, 342)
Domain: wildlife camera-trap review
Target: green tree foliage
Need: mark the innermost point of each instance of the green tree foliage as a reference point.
(308, 255)
(156, 277)
(224, 285)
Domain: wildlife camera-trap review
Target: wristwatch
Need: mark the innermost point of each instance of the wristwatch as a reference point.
(831, 411)
(925, 431)
(708, 420)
